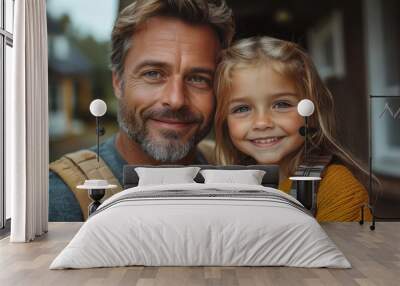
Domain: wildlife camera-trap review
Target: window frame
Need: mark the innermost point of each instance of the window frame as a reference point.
(384, 154)
(6, 39)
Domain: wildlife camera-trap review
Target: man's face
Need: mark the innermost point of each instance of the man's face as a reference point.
(166, 99)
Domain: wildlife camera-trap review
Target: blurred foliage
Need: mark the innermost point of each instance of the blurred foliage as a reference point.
(64, 23)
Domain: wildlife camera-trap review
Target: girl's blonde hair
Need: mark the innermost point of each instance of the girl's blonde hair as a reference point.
(289, 60)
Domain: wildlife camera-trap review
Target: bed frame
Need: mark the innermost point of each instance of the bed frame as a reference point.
(270, 179)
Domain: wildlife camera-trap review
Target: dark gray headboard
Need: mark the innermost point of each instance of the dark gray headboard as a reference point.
(270, 179)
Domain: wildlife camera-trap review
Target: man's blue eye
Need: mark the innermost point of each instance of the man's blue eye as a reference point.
(241, 109)
(199, 80)
(153, 74)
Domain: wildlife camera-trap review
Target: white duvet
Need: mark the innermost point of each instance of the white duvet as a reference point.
(206, 230)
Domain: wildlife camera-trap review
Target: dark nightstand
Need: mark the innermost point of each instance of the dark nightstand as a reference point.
(306, 191)
(96, 190)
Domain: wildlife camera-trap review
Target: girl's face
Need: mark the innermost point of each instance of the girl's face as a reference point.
(262, 117)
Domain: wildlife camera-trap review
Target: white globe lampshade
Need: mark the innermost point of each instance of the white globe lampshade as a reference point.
(305, 107)
(98, 107)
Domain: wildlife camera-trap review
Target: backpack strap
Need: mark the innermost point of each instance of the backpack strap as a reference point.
(207, 149)
(75, 168)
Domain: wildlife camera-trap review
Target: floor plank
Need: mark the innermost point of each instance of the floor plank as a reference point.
(374, 255)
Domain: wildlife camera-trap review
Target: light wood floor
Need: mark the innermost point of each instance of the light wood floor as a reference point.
(374, 255)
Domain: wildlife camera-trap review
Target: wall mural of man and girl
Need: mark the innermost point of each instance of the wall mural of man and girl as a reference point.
(176, 74)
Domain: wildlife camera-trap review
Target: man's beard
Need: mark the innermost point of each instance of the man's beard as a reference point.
(169, 148)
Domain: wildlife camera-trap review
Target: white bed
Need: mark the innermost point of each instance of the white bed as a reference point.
(201, 224)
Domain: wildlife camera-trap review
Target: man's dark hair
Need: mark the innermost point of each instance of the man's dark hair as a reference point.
(216, 14)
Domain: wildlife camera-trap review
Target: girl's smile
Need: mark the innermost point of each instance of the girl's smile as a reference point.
(266, 142)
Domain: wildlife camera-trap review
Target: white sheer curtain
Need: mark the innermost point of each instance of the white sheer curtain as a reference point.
(26, 124)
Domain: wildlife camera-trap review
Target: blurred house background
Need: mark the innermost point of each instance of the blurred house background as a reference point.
(355, 46)
(69, 77)
(78, 71)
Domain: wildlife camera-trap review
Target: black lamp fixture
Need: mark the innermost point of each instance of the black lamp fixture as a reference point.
(97, 187)
(305, 108)
(98, 108)
(306, 185)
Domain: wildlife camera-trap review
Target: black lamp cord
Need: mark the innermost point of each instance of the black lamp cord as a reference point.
(98, 139)
(305, 138)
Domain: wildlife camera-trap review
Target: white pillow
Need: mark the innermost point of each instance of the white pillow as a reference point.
(248, 177)
(162, 176)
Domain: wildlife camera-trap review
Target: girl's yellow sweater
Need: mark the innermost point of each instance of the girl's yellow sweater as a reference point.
(340, 196)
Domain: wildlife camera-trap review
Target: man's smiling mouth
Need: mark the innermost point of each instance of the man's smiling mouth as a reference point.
(173, 124)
